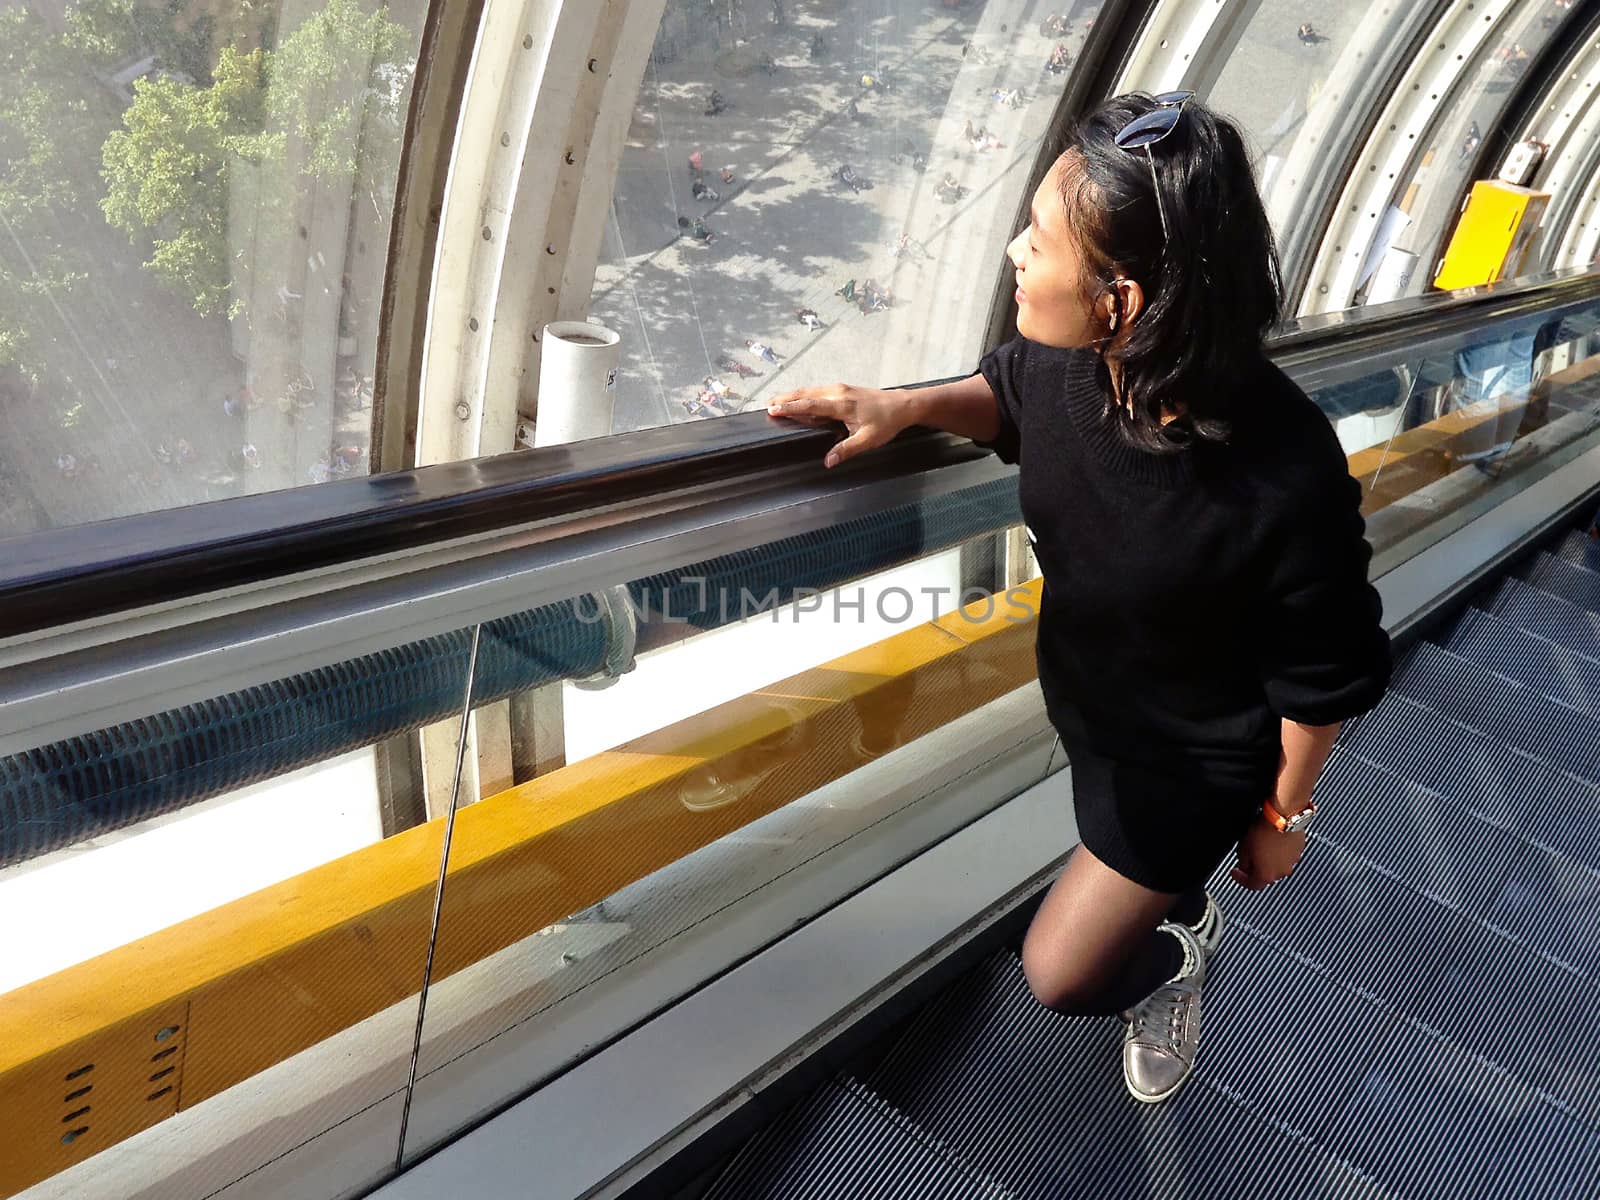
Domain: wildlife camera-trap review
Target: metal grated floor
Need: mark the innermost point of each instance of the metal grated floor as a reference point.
(1442, 948)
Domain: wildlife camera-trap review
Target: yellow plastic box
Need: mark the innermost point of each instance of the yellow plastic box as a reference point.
(1492, 237)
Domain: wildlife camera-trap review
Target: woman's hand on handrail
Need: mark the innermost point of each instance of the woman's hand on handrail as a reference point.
(872, 416)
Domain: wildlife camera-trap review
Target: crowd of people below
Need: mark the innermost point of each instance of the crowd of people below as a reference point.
(710, 187)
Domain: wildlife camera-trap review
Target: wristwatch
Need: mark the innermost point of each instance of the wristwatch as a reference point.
(1295, 824)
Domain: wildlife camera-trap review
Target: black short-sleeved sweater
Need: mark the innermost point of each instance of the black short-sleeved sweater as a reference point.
(1190, 600)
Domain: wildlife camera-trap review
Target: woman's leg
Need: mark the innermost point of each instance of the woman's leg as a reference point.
(1093, 948)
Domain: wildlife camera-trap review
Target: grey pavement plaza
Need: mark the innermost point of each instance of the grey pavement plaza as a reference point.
(788, 234)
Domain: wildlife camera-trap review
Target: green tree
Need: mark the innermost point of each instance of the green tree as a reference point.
(166, 172)
(328, 102)
(337, 85)
(51, 127)
(110, 32)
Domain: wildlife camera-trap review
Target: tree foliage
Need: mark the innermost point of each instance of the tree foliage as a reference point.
(328, 103)
(51, 128)
(108, 33)
(166, 171)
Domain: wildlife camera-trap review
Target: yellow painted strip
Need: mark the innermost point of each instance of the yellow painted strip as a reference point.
(1438, 434)
(253, 982)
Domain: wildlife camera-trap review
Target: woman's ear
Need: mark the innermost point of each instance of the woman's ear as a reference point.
(1130, 298)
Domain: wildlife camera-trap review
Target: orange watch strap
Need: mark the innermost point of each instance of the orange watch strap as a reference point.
(1277, 820)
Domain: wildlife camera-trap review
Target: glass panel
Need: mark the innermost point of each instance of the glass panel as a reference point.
(213, 952)
(1436, 441)
(196, 208)
(1296, 86)
(734, 753)
(820, 192)
(1432, 200)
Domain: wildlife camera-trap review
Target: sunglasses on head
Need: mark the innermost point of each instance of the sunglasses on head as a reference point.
(1145, 131)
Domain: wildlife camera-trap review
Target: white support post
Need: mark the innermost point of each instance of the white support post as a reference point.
(1185, 45)
(547, 106)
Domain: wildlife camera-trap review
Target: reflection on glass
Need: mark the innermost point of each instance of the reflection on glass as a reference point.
(765, 717)
(818, 192)
(1432, 200)
(216, 933)
(1436, 440)
(193, 225)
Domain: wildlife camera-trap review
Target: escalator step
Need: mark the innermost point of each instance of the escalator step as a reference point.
(1440, 849)
(1552, 671)
(1565, 579)
(845, 1143)
(1578, 547)
(1502, 708)
(1566, 624)
(1417, 960)
(1439, 1122)
(1506, 786)
(1037, 1100)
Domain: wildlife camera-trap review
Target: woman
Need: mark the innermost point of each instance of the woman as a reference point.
(1206, 621)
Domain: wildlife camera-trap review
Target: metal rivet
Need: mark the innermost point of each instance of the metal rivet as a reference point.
(1322, 290)
(163, 1034)
(472, 324)
(569, 158)
(549, 249)
(527, 41)
(505, 139)
(463, 409)
(552, 291)
(487, 234)
(592, 63)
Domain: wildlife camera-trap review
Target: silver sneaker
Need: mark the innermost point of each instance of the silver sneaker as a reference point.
(1163, 1032)
(1209, 928)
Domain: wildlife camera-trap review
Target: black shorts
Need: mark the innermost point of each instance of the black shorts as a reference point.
(1159, 830)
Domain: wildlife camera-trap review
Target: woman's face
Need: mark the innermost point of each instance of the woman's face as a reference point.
(1054, 304)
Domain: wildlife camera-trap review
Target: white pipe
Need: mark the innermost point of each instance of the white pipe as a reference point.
(577, 382)
(577, 393)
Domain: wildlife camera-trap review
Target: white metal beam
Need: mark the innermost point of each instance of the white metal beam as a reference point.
(525, 59)
(1184, 44)
(1333, 124)
(1580, 241)
(1387, 163)
(1568, 122)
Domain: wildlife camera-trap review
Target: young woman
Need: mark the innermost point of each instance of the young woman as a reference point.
(1206, 621)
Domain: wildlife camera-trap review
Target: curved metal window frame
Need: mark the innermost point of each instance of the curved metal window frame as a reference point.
(1580, 240)
(1512, 113)
(443, 60)
(1200, 41)
(1346, 131)
(1388, 162)
(1565, 80)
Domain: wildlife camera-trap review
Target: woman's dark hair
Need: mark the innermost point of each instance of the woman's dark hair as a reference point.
(1211, 291)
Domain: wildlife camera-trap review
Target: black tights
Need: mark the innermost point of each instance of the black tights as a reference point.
(1094, 948)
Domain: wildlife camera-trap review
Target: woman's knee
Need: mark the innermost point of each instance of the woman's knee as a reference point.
(1056, 981)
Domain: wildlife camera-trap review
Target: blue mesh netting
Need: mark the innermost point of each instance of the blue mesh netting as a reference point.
(81, 786)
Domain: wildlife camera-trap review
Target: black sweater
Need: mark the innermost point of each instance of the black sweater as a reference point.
(1190, 600)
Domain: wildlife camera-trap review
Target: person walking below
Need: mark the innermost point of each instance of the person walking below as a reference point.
(1206, 623)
